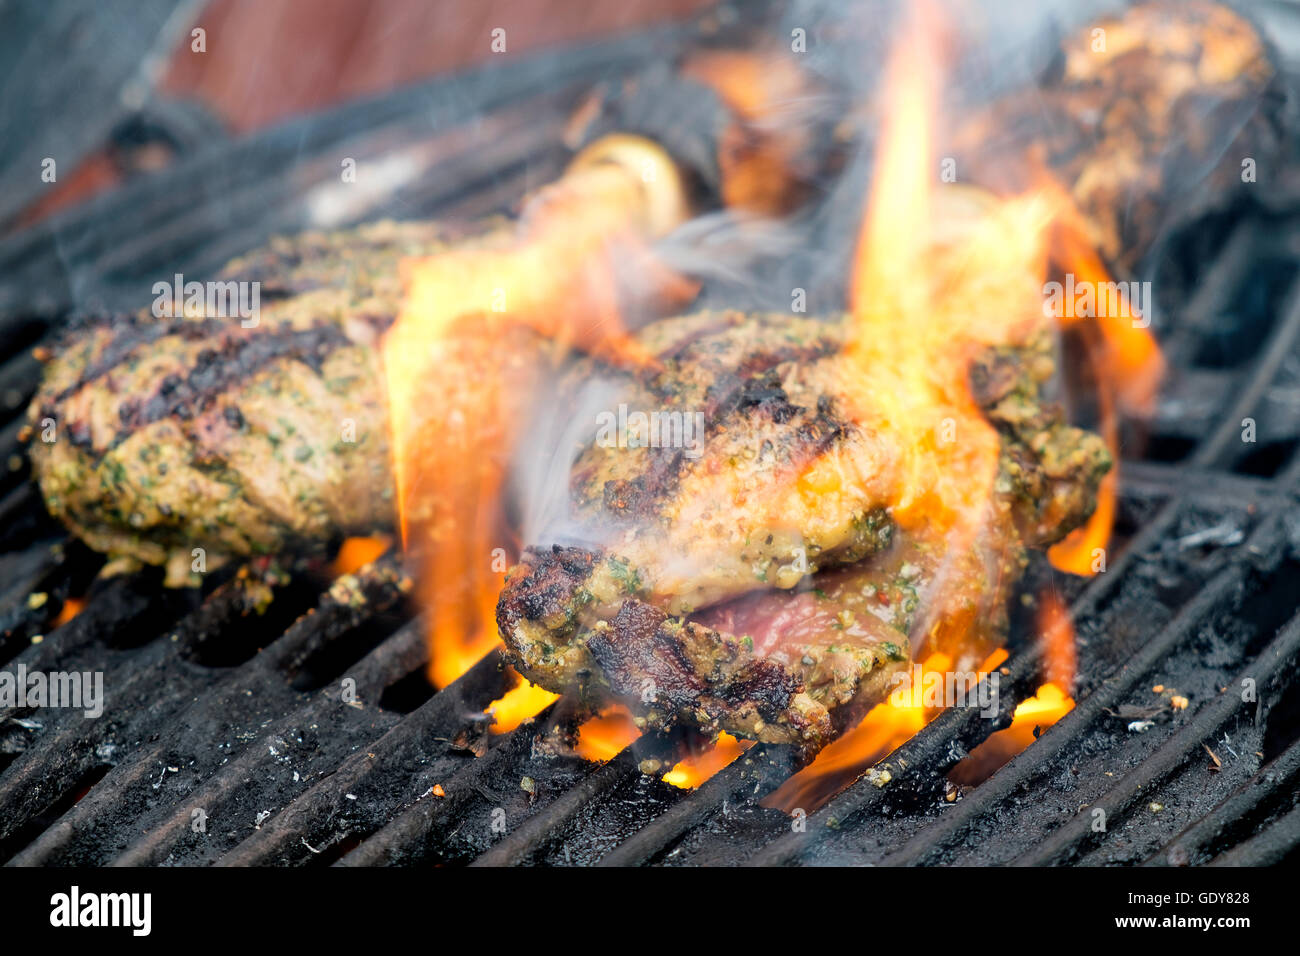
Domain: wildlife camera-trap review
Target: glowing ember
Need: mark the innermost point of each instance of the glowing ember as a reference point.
(694, 770)
(71, 608)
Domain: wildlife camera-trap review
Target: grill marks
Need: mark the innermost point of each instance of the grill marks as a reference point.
(314, 274)
(232, 363)
(737, 385)
(129, 334)
(545, 586)
(251, 440)
(683, 531)
(786, 486)
(236, 356)
(634, 659)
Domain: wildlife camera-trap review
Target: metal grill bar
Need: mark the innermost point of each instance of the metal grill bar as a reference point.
(426, 831)
(307, 743)
(1275, 844)
(732, 786)
(1217, 449)
(1271, 667)
(1234, 817)
(1029, 764)
(527, 843)
(191, 734)
(423, 830)
(384, 776)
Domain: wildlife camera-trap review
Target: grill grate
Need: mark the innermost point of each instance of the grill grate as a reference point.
(216, 709)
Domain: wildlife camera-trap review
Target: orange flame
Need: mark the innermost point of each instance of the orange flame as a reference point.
(761, 154)
(1032, 716)
(886, 727)
(1049, 704)
(691, 771)
(1129, 355)
(940, 273)
(1056, 640)
(1126, 360)
(474, 334)
(356, 553)
(522, 702)
(606, 735)
(71, 608)
(1080, 552)
(600, 738)
(937, 277)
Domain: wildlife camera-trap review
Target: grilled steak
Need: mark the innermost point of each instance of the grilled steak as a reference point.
(755, 582)
(1146, 119)
(176, 434)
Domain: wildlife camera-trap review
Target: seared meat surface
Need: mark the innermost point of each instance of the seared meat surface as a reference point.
(772, 443)
(176, 434)
(755, 581)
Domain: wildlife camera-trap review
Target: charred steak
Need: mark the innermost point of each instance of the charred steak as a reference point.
(755, 582)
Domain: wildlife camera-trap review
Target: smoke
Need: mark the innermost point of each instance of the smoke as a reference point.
(726, 246)
(543, 460)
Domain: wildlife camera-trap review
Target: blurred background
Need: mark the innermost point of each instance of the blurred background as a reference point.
(109, 88)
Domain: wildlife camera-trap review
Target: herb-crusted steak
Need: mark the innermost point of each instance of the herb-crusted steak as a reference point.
(193, 432)
(755, 582)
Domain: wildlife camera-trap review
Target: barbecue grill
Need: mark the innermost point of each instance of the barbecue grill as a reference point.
(271, 718)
